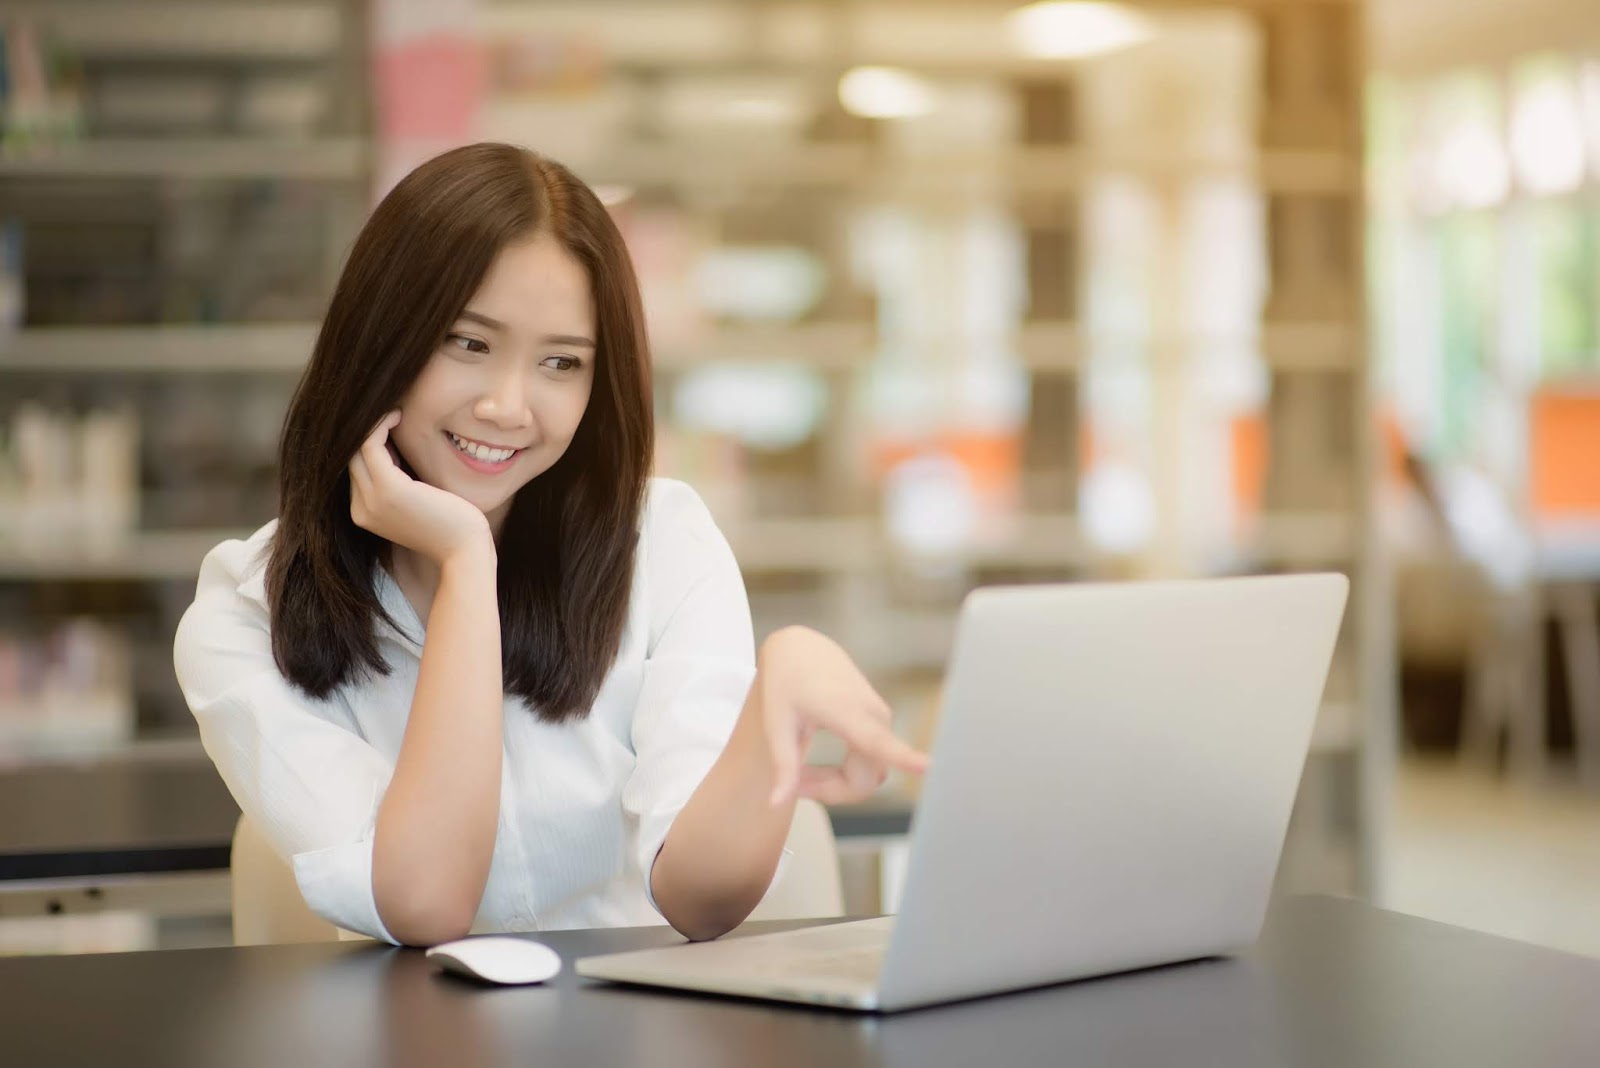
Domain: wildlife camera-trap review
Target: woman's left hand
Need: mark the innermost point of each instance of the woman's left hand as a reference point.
(808, 682)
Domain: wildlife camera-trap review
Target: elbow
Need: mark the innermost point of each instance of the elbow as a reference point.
(421, 899)
(704, 929)
(708, 920)
(426, 929)
(703, 911)
(422, 920)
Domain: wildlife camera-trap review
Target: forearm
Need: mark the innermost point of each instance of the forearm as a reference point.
(436, 826)
(723, 848)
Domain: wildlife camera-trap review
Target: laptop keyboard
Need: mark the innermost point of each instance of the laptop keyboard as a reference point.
(851, 951)
(857, 934)
(859, 965)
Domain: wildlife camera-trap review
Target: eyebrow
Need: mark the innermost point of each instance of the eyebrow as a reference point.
(549, 339)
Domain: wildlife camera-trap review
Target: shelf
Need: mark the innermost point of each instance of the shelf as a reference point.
(829, 544)
(284, 348)
(912, 641)
(176, 748)
(192, 30)
(257, 348)
(274, 348)
(864, 166)
(1038, 539)
(830, 346)
(344, 159)
(762, 545)
(854, 544)
(1053, 169)
(1311, 539)
(1052, 346)
(1042, 345)
(822, 166)
(1311, 346)
(1298, 346)
(150, 555)
(1292, 540)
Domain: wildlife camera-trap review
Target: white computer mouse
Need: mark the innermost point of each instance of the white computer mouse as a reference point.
(497, 959)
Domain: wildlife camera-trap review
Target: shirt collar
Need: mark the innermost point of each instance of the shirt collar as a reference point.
(394, 601)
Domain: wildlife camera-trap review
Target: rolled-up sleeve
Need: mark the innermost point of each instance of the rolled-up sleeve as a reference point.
(698, 669)
(311, 785)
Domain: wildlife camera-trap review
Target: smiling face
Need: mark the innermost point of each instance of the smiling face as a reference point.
(498, 403)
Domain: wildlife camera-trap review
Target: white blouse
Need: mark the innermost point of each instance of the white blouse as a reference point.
(584, 807)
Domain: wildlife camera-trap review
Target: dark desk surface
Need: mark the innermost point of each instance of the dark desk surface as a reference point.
(65, 821)
(1332, 983)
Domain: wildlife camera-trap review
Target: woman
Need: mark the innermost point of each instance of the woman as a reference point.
(587, 737)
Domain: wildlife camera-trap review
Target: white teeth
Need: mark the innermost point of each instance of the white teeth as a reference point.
(482, 452)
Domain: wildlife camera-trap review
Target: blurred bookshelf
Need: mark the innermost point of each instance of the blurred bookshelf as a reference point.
(847, 519)
(238, 158)
(1053, 170)
(284, 347)
(1305, 505)
(179, 182)
(273, 348)
(141, 555)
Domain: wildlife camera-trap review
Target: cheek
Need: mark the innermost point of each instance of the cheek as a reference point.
(412, 444)
(439, 387)
(419, 426)
(564, 412)
(426, 405)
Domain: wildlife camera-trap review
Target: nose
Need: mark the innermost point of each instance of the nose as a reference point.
(505, 405)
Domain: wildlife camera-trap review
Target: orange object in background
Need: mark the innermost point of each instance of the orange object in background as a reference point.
(1564, 452)
(1088, 446)
(992, 460)
(1249, 446)
(1248, 438)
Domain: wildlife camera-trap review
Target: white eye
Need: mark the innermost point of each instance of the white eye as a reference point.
(467, 344)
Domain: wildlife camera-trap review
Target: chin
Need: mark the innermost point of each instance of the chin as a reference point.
(481, 503)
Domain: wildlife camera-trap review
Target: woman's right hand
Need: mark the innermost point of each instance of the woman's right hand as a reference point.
(425, 519)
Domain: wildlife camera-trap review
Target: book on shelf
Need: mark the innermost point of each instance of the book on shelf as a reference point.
(65, 691)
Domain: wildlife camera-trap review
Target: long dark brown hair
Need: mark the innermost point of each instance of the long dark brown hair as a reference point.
(567, 547)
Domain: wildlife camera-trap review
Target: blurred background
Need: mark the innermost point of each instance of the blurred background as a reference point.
(941, 293)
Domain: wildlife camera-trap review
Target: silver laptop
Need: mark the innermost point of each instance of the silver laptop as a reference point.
(1109, 789)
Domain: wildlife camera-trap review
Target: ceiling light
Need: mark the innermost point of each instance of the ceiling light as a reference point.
(1547, 138)
(885, 93)
(1074, 29)
(1471, 170)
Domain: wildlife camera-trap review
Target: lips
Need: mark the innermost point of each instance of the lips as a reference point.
(482, 463)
